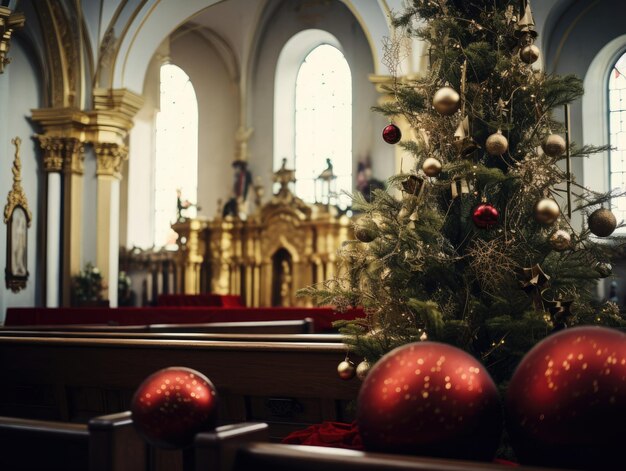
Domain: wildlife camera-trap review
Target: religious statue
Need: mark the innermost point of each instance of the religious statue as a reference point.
(285, 283)
(241, 185)
(182, 205)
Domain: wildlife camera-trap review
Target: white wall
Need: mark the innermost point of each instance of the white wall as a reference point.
(19, 93)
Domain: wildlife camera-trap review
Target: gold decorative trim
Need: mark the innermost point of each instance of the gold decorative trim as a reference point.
(62, 154)
(16, 196)
(9, 22)
(52, 152)
(110, 158)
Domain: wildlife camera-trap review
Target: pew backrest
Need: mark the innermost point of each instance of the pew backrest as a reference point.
(192, 336)
(290, 385)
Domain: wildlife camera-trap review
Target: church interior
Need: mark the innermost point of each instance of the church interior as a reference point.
(169, 165)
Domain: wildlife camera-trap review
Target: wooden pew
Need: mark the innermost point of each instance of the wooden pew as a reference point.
(300, 326)
(107, 443)
(110, 443)
(303, 326)
(243, 337)
(309, 458)
(289, 385)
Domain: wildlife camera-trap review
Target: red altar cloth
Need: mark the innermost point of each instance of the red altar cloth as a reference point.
(322, 317)
(205, 300)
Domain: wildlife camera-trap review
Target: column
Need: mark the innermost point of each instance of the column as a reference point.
(110, 157)
(52, 148)
(73, 169)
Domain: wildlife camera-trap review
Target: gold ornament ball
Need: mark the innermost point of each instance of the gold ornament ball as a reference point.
(554, 145)
(362, 369)
(529, 54)
(365, 230)
(431, 167)
(346, 370)
(602, 222)
(446, 101)
(497, 144)
(547, 211)
(561, 240)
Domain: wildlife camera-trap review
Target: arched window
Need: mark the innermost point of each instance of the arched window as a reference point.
(323, 120)
(617, 133)
(313, 112)
(176, 167)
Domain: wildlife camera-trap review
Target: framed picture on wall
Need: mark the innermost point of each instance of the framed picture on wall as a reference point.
(17, 249)
(17, 217)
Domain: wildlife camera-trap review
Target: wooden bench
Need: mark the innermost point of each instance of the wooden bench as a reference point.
(109, 334)
(257, 456)
(108, 443)
(289, 385)
(299, 326)
(302, 326)
(323, 318)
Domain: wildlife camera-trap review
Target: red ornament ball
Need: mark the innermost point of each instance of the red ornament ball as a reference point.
(485, 216)
(566, 402)
(172, 405)
(430, 399)
(392, 134)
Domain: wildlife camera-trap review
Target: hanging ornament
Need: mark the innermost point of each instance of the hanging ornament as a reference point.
(565, 403)
(497, 144)
(547, 211)
(529, 54)
(430, 399)
(526, 24)
(172, 405)
(602, 222)
(485, 216)
(533, 282)
(362, 369)
(554, 145)
(413, 184)
(365, 230)
(561, 240)
(604, 269)
(560, 314)
(345, 369)
(463, 142)
(459, 187)
(392, 134)
(446, 101)
(431, 167)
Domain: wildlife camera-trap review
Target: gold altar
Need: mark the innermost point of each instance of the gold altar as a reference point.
(285, 245)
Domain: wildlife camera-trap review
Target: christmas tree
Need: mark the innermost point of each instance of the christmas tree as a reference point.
(475, 246)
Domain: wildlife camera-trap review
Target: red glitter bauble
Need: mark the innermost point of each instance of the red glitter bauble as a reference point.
(485, 216)
(566, 402)
(430, 399)
(392, 134)
(172, 405)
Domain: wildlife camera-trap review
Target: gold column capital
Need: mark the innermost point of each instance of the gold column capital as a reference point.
(109, 158)
(62, 153)
(9, 22)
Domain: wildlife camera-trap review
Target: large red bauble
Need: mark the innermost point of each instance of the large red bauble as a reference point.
(485, 216)
(172, 405)
(566, 402)
(430, 399)
(392, 134)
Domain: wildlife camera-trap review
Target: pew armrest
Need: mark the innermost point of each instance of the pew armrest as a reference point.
(216, 450)
(115, 445)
